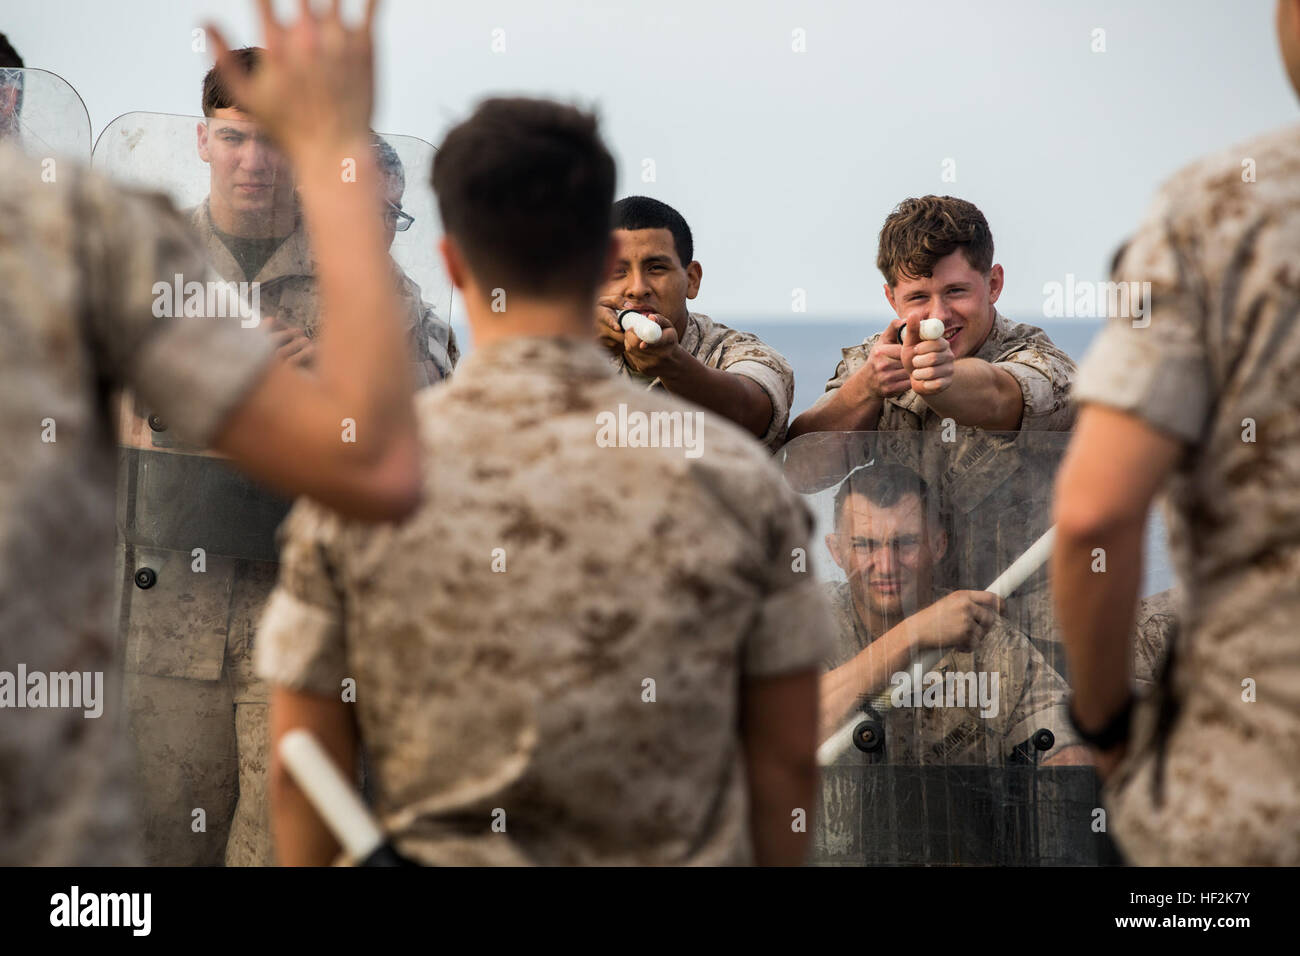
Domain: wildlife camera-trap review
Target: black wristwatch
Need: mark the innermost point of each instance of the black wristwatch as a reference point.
(1113, 734)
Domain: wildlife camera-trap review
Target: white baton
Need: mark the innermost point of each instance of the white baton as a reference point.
(333, 797)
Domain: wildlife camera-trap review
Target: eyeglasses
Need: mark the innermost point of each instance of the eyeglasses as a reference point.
(396, 218)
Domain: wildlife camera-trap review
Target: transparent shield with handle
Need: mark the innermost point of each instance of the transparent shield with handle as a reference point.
(944, 730)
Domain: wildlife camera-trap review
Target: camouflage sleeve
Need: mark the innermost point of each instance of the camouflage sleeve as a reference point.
(747, 355)
(1154, 366)
(793, 629)
(453, 350)
(1031, 695)
(194, 370)
(434, 344)
(853, 358)
(1157, 627)
(300, 639)
(1044, 374)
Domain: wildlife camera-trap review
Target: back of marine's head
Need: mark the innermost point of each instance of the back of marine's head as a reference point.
(525, 189)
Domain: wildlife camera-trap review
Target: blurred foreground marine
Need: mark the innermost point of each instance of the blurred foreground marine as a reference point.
(79, 261)
(1200, 401)
(728, 372)
(197, 710)
(76, 318)
(531, 688)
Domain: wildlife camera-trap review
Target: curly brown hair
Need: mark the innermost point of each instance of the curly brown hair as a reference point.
(920, 232)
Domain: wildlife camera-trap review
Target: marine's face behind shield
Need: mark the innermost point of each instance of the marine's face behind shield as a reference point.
(252, 192)
(887, 554)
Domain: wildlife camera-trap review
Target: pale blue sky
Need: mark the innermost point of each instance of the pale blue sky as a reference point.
(786, 163)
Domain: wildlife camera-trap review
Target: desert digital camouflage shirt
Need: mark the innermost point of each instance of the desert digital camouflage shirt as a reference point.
(78, 261)
(1031, 697)
(1042, 371)
(740, 353)
(506, 641)
(1216, 368)
(289, 292)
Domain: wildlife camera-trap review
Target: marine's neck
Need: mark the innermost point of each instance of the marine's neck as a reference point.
(260, 225)
(528, 319)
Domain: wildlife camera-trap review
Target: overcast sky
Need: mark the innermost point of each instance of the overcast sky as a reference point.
(785, 163)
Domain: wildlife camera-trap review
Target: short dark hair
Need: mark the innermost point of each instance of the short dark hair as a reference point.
(386, 158)
(9, 57)
(642, 212)
(215, 95)
(920, 232)
(885, 485)
(525, 188)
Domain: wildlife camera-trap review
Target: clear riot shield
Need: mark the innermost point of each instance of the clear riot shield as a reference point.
(951, 744)
(43, 115)
(197, 538)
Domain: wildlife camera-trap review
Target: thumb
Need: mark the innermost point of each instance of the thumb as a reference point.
(912, 333)
(890, 335)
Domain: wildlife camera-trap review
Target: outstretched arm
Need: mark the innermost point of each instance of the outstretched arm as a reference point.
(313, 93)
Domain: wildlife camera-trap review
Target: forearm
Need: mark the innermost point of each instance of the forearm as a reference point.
(344, 435)
(363, 344)
(776, 789)
(301, 836)
(849, 409)
(1097, 610)
(735, 397)
(981, 395)
(866, 672)
(778, 729)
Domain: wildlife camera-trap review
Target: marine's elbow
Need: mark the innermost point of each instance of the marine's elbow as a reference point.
(396, 482)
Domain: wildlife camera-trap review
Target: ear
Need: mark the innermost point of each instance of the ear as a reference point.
(939, 544)
(889, 297)
(995, 283)
(452, 262)
(694, 273)
(201, 133)
(833, 546)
